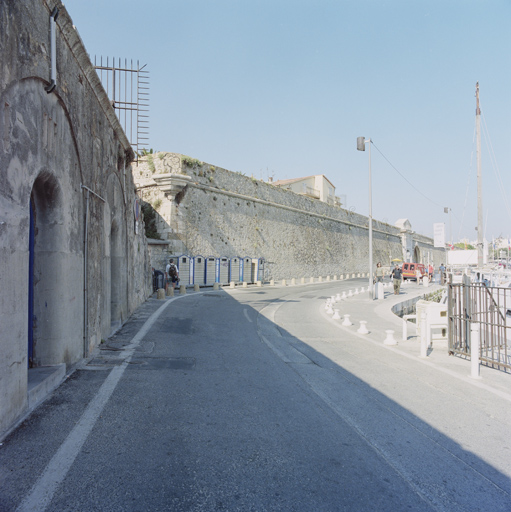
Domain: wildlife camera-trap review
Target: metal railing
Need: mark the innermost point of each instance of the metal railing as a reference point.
(490, 307)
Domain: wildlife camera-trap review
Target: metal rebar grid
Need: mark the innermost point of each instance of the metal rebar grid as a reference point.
(127, 86)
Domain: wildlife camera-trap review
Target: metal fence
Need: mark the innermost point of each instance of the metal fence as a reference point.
(490, 307)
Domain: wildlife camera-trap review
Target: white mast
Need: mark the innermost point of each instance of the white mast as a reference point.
(479, 184)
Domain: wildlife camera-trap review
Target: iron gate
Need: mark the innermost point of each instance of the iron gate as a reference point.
(490, 307)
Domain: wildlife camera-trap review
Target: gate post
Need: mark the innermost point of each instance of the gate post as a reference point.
(474, 351)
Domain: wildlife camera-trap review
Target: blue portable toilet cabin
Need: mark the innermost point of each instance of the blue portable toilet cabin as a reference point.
(222, 270)
(184, 267)
(234, 270)
(210, 273)
(199, 270)
(256, 270)
(246, 271)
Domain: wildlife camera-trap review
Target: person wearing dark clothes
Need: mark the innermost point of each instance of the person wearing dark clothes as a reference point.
(396, 276)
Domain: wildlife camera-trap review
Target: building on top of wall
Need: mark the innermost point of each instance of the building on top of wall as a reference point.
(315, 187)
(74, 258)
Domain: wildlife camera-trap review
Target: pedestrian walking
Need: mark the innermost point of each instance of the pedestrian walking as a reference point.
(378, 274)
(171, 274)
(396, 276)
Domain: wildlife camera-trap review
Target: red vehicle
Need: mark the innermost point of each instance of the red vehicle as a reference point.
(412, 270)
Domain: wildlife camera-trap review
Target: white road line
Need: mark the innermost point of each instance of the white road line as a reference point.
(245, 312)
(43, 490)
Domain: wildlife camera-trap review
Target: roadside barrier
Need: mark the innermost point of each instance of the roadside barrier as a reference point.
(347, 321)
(363, 328)
(389, 340)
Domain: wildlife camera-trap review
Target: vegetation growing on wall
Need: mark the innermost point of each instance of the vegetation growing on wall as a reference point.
(150, 221)
(150, 163)
(191, 162)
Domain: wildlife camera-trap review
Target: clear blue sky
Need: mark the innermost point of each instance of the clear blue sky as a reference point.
(285, 87)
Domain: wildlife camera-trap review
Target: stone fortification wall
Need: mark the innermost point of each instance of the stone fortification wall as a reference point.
(221, 213)
(73, 265)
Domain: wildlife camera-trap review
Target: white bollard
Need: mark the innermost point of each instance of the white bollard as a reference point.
(196, 287)
(363, 328)
(245, 284)
(380, 294)
(335, 278)
(330, 310)
(216, 286)
(160, 294)
(320, 279)
(328, 278)
(425, 281)
(347, 320)
(350, 294)
(474, 351)
(338, 297)
(327, 304)
(343, 295)
(424, 335)
(311, 280)
(356, 291)
(182, 290)
(232, 284)
(302, 280)
(389, 340)
(336, 314)
(259, 283)
(293, 282)
(272, 282)
(332, 299)
(362, 289)
(283, 283)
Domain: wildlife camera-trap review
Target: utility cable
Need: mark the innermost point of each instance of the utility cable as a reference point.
(468, 182)
(409, 182)
(495, 166)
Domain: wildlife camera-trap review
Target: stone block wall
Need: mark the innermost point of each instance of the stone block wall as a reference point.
(222, 213)
(63, 156)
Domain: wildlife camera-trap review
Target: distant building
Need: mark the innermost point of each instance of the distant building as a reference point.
(316, 187)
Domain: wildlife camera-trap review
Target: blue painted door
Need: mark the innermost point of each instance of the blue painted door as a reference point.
(31, 287)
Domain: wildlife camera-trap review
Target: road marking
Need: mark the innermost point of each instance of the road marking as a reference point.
(43, 490)
(245, 312)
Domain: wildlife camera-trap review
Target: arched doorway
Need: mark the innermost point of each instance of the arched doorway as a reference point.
(417, 255)
(117, 276)
(45, 261)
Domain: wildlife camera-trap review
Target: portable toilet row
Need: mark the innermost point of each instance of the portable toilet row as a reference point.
(223, 270)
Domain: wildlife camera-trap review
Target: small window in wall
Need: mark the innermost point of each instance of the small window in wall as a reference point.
(199, 260)
(184, 260)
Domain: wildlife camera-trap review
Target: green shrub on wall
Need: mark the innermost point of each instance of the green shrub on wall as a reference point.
(149, 214)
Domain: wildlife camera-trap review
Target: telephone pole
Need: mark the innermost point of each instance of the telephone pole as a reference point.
(479, 184)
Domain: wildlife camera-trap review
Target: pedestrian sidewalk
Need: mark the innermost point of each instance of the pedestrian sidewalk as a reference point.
(380, 318)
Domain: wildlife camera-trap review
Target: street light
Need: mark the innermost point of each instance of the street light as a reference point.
(361, 146)
(448, 210)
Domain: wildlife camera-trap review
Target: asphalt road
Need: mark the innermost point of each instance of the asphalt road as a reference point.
(248, 400)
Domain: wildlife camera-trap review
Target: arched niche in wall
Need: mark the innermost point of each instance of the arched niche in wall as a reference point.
(417, 254)
(117, 253)
(46, 277)
(40, 172)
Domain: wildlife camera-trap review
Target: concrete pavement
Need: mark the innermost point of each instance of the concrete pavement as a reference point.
(256, 399)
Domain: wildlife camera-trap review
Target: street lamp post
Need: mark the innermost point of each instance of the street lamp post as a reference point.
(361, 142)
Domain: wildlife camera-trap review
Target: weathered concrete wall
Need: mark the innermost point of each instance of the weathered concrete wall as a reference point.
(89, 267)
(221, 213)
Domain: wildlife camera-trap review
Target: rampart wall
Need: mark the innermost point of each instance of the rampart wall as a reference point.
(221, 213)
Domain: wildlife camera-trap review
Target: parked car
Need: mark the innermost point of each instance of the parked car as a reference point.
(412, 270)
